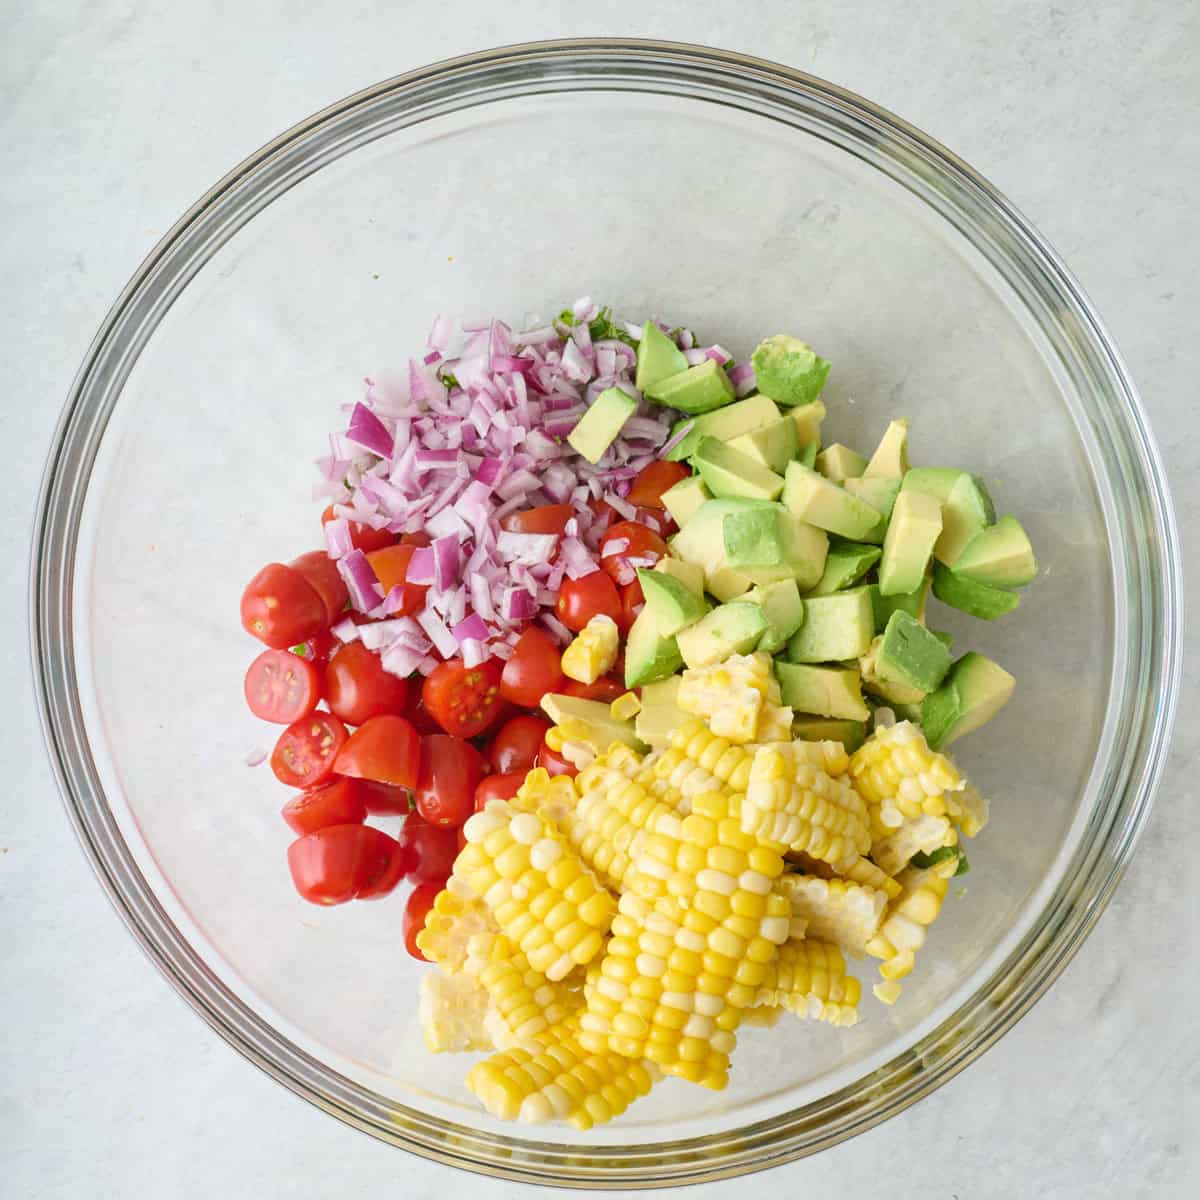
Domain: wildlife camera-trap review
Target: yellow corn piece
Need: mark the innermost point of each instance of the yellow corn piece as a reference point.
(625, 707)
(846, 914)
(524, 1001)
(861, 870)
(696, 760)
(554, 738)
(907, 920)
(556, 1077)
(924, 834)
(901, 779)
(454, 918)
(552, 795)
(730, 695)
(793, 803)
(592, 651)
(539, 890)
(808, 978)
(969, 809)
(452, 1010)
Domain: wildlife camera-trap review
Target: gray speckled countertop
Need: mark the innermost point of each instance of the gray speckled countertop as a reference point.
(116, 114)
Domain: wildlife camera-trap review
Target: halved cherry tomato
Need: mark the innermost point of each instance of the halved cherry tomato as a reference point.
(390, 566)
(534, 670)
(317, 649)
(342, 862)
(362, 537)
(433, 849)
(606, 689)
(549, 518)
(322, 574)
(280, 607)
(450, 771)
(303, 756)
(463, 700)
(632, 601)
(656, 519)
(336, 803)
(515, 744)
(419, 903)
(418, 714)
(358, 688)
(554, 763)
(579, 600)
(498, 787)
(386, 749)
(655, 479)
(626, 541)
(385, 799)
(281, 687)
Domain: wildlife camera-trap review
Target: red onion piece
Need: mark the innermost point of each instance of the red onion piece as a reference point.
(367, 430)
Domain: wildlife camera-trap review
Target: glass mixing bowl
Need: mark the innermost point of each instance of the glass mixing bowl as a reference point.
(732, 195)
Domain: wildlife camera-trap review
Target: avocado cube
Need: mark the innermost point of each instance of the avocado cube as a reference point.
(658, 358)
(851, 734)
(975, 599)
(823, 691)
(725, 424)
(910, 654)
(696, 390)
(788, 370)
(728, 629)
(814, 499)
(912, 603)
(890, 460)
(845, 565)
(660, 714)
(784, 610)
(807, 419)
(690, 575)
(804, 552)
(752, 537)
(807, 455)
(682, 499)
(836, 628)
(999, 556)
(598, 427)
(915, 525)
(726, 584)
(966, 510)
(671, 603)
(937, 482)
(973, 692)
(894, 692)
(650, 654)
(773, 446)
(730, 474)
(839, 463)
(880, 494)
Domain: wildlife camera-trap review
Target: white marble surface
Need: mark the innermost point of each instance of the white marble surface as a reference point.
(116, 114)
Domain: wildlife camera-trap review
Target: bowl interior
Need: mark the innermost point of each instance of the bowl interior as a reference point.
(707, 215)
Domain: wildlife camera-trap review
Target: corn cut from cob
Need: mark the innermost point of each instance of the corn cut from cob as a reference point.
(592, 651)
(836, 910)
(808, 978)
(899, 776)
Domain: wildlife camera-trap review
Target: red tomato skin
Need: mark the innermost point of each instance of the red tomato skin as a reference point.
(281, 687)
(362, 537)
(653, 480)
(419, 903)
(632, 601)
(305, 752)
(642, 543)
(339, 802)
(549, 518)
(418, 714)
(358, 688)
(281, 608)
(606, 688)
(390, 566)
(385, 749)
(432, 849)
(450, 771)
(554, 763)
(340, 862)
(465, 701)
(579, 600)
(322, 574)
(498, 787)
(317, 649)
(385, 799)
(534, 670)
(514, 745)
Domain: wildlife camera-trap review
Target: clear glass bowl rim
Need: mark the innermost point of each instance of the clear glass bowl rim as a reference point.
(1130, 479)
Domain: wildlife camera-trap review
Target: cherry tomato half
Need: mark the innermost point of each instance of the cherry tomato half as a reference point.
(418, 714)
(343, 862)
(450, 771)
(632, 601)
(385, 749)
(391, 566)
(336, 803)
(534, 670)
(280, 607)
(362, 537)
(317, 649)
(281, 687)
(303, 756)
(579, 600)
(385, 799)
(463, 700)
(515, 744)
(498, 787)
(606, 689)
(549, 518)
(554, 763)
(655, 479)
(322, 574)
(419, 903)
(358, 688)
(628, 545)
(432, 849)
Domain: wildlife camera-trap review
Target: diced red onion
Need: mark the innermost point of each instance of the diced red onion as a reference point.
(337, 537)
(402, 660)
(742, 378)
(446, 561)
(441, 333)
(718, 354)
(623, 507)
(361, 581)
(422, 567)
(472, 628)
(684, 430)
(526, 548)
(255, 756)
(517, 604)
(346, 630)
(439, 635)
(556, 627)
(367, 430)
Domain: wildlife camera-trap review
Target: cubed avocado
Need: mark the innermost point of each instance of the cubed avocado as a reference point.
(836, 628)
(907, 548)
(845, 564)
(933, 481)
(702, 540)
(966, 510)
(788, 370)
(672, 603)
(912, 603)
(699, 389)
(807, 455)
(604, 728)
(973, 692)
(893, 693)
(947, 639)
(660, 713)
(807, 419)
(598, 427)
(822, 691)
(658, 357)
(880, 494)
(773, 446)
(784, 610)
(910, 654)
(752, 537)
(731, 474)
(999, 556)
(726, 584)
(975, 599)
(649, 653)
(851, 734)
(728, 629)
(814, 499)
(839, 463)
(804, 552)
(690, 575)
(725, 424)
(890, 460)
(682, 499)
